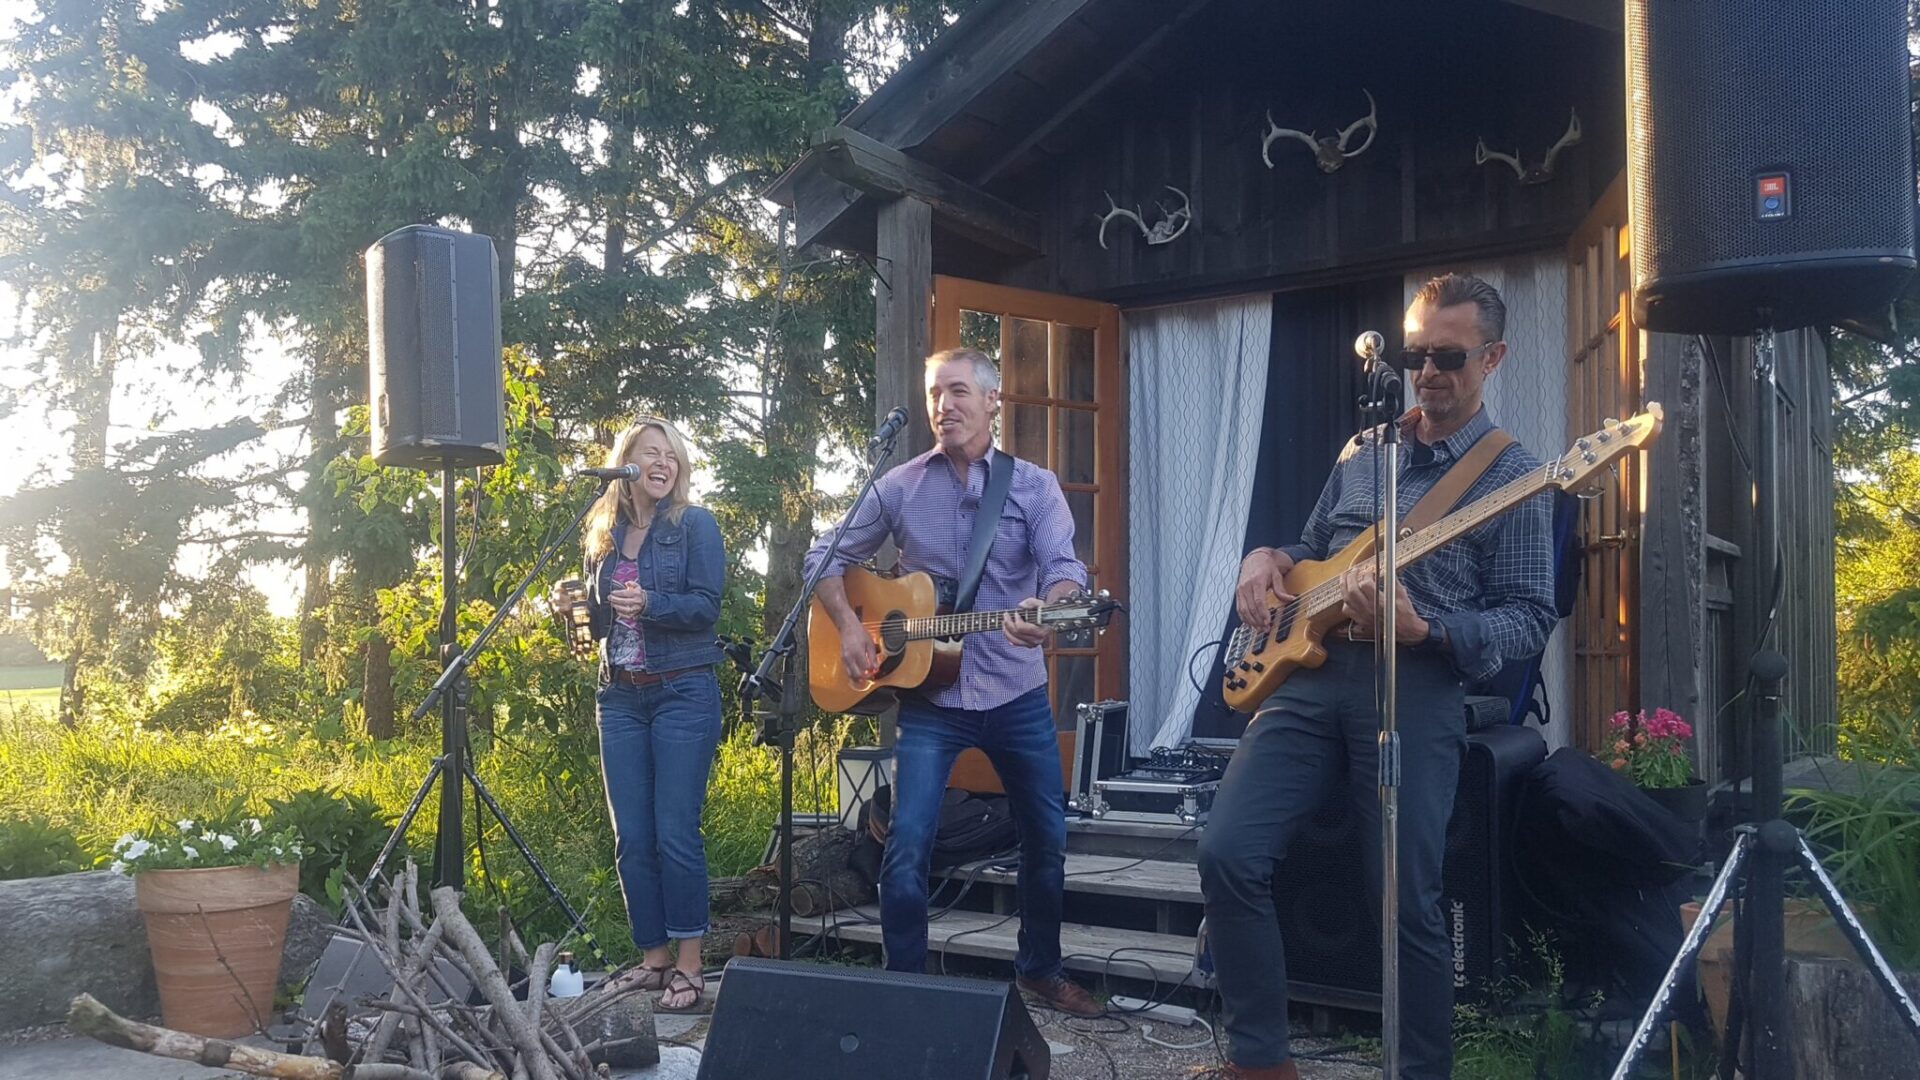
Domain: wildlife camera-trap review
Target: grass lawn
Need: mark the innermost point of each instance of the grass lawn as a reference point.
(32, 687)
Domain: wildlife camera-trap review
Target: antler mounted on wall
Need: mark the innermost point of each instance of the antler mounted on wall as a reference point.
(1329, 151)
(1171, 224)
(1542, 172)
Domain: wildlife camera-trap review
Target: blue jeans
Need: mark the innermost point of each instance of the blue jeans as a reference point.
(1019, 739)
(656, 750)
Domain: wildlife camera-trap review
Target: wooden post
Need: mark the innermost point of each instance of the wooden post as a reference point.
(1671, 638)
(903, 319)
(903, 322)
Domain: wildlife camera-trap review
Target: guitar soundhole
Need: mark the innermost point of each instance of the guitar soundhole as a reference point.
(893, 633)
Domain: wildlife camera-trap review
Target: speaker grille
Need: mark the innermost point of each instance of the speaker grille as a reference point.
(1722, 91)
(434, 336)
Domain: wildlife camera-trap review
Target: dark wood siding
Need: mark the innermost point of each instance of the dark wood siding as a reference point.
(1443, 75)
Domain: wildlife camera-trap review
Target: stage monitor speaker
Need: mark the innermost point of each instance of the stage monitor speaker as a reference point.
(1769, 162)
(1332, 929)
(819, 1022)
(433, 312)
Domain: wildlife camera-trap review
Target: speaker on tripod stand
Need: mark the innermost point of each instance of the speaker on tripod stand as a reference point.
(1770, 158)
(438, 402)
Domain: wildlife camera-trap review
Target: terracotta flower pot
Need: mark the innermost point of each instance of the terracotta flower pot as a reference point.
(216, 936)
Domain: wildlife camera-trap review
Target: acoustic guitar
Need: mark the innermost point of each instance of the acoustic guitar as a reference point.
(1257, 662)
(919, 642)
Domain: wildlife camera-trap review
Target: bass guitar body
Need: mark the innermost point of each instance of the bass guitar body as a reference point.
(1258, 663)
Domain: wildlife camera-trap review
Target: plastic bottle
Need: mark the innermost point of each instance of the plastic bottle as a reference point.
(567, 981)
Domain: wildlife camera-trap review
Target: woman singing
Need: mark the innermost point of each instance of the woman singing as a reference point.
(654, 569)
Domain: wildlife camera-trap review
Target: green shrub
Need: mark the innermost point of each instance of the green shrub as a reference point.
(1870, 842)
(342, 834)
(31, 847)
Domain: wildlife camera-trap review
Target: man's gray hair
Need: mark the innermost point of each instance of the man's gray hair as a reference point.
(1448, 290)
(986, 373)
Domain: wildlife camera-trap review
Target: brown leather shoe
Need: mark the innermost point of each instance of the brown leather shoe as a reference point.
(1063, 994)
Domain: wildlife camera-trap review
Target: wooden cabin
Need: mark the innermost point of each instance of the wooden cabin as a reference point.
(1112, 197)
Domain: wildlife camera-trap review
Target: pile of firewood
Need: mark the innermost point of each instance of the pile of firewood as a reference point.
(424, 1029)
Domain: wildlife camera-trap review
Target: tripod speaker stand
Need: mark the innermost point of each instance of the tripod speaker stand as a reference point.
(438, 401)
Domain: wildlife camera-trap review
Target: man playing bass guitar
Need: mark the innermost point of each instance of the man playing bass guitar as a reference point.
(1474, 603)
(999, 702)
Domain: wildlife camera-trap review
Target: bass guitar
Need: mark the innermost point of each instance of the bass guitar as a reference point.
(919, 642)
(1258, 661)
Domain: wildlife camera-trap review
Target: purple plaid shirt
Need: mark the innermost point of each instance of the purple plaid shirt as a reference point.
(928, 512)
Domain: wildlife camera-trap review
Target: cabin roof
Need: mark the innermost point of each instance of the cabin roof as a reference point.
(1006, 87)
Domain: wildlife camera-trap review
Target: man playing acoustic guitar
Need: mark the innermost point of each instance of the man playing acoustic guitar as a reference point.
(1480, 600)
(999, 702)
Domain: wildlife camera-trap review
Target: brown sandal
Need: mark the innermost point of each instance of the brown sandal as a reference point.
(678, 983)
(639, 977)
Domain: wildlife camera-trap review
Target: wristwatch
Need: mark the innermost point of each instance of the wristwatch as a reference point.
(1436, 635)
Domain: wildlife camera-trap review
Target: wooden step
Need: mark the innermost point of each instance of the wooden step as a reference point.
(1085, 948)
(1113, 875)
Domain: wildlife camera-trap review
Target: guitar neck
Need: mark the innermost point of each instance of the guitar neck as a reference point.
(970, 622)
(1437, 535)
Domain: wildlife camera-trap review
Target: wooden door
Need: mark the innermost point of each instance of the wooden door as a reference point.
(1063, 407)
(1604, 350)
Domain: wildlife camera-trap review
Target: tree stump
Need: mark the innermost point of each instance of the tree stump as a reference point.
(1842, 1025)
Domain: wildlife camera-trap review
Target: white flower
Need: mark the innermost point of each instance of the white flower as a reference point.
(207, 836)
(185, 823)
(191, 853)
(121, 844)
(278, 850)
(118, 867)
(228, 842)
(255, 824)
(137, 849)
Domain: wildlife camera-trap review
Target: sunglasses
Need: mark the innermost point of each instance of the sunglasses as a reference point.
(1442, 359)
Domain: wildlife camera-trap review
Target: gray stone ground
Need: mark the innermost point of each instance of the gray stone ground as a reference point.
(1082, 1050)
(1115, 1048)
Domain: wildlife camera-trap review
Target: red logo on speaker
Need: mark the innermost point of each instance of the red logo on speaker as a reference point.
(1772, 196)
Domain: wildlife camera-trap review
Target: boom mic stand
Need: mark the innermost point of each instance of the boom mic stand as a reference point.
(1762, 853)
(455, 762)
(778, 725)
(1383, 400)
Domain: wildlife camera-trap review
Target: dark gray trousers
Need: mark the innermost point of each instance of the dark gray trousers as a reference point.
(1318, 734)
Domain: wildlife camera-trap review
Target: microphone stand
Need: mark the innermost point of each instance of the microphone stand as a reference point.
(777, 726)
(1383, 400)
(455, 762)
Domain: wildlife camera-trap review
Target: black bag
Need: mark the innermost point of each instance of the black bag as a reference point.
(1600, 862)
(971, 827)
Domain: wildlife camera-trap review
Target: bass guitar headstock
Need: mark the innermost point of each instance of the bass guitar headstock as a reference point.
(1575, 470)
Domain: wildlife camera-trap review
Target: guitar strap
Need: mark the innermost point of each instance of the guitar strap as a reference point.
(986, 519)
(1445, 495)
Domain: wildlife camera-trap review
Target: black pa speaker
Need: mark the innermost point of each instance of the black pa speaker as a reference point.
(433, 312)
(815, 1022)
(1332, 929)
(1769, 160)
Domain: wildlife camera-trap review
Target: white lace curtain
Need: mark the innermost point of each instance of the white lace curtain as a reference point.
(1196, 390)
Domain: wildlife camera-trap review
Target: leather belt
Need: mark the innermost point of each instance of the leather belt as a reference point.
(1350, 632)
(626, 677)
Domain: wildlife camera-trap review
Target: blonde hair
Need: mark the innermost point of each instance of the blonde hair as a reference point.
(615, 503)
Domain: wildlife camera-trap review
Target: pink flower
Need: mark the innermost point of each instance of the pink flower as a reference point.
(1620, 763)
(1620, 720)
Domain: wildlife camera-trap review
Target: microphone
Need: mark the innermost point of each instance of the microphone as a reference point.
(896, 420)
(618, 472)
(1370, 345)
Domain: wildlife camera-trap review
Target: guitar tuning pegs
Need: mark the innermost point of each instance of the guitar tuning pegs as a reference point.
(1610, 423)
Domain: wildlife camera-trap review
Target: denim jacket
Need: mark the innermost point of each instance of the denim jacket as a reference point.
(683, 568)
